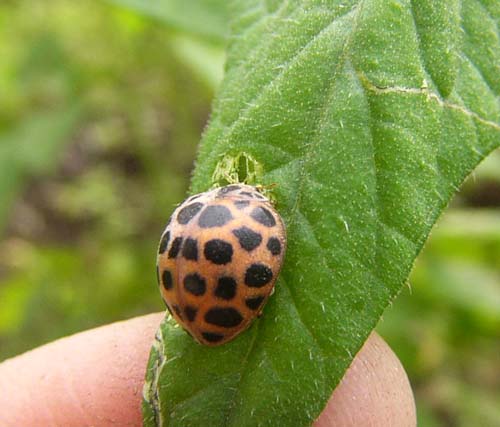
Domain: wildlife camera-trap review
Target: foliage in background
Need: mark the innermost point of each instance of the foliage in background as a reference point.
(100, 206)
(200, 18)
(112, 129)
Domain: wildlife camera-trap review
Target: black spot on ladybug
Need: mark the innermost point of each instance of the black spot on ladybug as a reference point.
(228, 189)
(177, 310)
(218, 251)
(211, 337)
(248, 238)
(195, 284)
(187, 213)
(258, 275)
(274, 245)
(254, 302)
(190, 249)
(226, 288)
(241, 204)
(214, 216)
(164, 242)
(263, 216)
(226, 317)
(157, 275)
(260, 196)
(174, 249)
(166, 279)
(190, 312)
(247, 193)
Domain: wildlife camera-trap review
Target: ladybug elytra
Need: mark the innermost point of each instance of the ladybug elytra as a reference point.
(218, 261)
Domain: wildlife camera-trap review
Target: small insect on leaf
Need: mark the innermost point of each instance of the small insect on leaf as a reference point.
(218, 261)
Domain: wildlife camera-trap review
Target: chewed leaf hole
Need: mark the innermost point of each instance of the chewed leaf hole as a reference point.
(236, 168)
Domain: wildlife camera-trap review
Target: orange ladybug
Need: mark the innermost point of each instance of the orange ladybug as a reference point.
(218, 260)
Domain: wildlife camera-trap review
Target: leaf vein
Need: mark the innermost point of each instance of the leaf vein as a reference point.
(253, 103)
(493, 19)
(420, 47)
(267, 17)
(464, 53)
(480, 72)
(424, 91)
(309, 148)
(305, 326)
(251, 349)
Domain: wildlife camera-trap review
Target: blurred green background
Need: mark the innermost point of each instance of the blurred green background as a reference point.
(101, 109)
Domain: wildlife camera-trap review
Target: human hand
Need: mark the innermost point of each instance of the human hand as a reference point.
(95, 378)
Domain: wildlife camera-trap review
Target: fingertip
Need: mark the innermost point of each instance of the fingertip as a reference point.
(375, 391)
(91, 378)
(96, 378)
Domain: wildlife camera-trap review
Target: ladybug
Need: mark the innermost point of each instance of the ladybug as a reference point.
(218, 260)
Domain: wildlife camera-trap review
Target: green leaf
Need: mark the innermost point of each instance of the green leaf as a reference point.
(367, 124)
(436, 23)
(206, 18)
(32, 148)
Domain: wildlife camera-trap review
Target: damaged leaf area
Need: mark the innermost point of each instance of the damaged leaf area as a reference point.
(366, 116)
(233, 169)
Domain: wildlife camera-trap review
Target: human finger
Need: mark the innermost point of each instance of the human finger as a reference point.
(95, 378)
(374, 392)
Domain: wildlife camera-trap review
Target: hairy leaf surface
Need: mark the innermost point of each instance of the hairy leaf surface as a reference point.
(366, 116)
